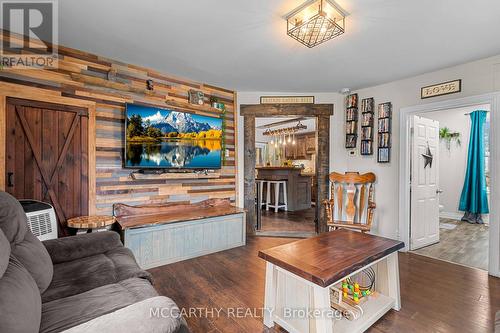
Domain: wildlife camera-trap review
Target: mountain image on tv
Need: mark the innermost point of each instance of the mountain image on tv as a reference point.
(161, 138)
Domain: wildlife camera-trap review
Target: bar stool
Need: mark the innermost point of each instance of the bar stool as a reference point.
(261, 185)
(277, 185)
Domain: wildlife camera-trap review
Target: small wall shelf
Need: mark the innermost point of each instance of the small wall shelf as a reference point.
(351, 121)
(384, 132)
(367, 115)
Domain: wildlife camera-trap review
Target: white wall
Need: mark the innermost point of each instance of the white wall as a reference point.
(478, 77)
(453, 162)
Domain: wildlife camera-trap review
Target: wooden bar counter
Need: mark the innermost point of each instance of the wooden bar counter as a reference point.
(301, 275)
(298, 186)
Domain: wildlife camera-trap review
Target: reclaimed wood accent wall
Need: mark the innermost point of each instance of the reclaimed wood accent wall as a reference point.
(111, 84)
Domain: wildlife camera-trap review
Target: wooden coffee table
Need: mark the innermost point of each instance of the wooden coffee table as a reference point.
(300, 275)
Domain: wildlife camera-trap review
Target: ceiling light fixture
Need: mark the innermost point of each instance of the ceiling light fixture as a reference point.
(315, 22)
(284, 131)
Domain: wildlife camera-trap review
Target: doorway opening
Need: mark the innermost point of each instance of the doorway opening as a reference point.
(449, 151)
(321, 113)
(286, 179)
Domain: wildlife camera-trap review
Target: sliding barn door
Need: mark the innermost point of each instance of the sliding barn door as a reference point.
(47, 156)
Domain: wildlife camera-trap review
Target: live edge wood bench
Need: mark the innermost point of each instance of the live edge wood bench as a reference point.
(166, 233)
(300, 275)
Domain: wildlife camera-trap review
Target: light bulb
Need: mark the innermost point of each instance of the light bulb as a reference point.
(289, 139)
(272, 141)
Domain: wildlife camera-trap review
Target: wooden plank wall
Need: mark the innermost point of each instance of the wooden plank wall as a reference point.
(84, 76)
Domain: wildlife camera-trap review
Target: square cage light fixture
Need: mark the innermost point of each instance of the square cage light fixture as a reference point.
(315, 22)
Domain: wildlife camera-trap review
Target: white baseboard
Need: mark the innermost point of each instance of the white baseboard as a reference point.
(451, 215)
(458, 216)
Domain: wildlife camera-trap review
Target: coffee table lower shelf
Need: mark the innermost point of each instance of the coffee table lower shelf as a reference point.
(373, 310)
(287, 295)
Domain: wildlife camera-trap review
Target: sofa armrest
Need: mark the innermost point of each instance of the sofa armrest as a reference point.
(156, 314)
(80, 246)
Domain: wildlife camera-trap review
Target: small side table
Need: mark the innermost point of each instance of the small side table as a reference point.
(85, 224)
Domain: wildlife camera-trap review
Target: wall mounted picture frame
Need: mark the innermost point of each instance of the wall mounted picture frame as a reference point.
(286, 99)
(441, 89)
(196, 97)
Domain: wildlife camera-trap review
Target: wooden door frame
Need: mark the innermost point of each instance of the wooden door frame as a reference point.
(322, 112)
(493, 99)
(49, 96)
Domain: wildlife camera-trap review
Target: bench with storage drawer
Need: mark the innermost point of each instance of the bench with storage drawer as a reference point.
(163, 234)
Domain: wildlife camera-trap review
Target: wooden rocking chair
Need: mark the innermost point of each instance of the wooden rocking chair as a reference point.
(351, 202)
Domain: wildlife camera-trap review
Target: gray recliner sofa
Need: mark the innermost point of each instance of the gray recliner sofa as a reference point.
(85, 283)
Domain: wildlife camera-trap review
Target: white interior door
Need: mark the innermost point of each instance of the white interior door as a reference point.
(424, 226)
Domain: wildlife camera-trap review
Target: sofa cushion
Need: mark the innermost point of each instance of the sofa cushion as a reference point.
(4, 253)
(80, 246)
(75, 277)
(20, 303)
(74, 310)
(137, 318)
(24, 245)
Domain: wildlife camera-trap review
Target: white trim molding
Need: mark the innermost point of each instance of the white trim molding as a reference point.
(404, 167)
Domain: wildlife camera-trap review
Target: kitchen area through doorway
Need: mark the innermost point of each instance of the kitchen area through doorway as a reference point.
(285, 175)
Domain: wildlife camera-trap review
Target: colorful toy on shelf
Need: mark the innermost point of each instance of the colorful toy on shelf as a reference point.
(355, 294)
(345, 288)
(354, 291)
(349, 296)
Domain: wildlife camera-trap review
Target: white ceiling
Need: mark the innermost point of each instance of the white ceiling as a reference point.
(243, 45)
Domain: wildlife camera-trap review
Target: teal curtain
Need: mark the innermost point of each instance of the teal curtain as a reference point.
(474, 199)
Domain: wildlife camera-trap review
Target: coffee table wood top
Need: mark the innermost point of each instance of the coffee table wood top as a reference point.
(329, 257)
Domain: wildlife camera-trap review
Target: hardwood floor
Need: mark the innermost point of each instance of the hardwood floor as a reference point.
(436, 296)
(302, 220)
(466, 244)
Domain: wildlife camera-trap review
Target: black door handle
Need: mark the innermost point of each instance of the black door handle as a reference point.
(10, 182)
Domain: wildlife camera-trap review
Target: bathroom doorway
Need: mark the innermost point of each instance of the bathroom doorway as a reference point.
(443, 151)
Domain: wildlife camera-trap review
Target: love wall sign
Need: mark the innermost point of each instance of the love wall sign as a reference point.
(445, 88)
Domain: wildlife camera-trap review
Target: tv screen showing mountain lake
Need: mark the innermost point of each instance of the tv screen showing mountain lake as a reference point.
(203, 154)
(159, 138)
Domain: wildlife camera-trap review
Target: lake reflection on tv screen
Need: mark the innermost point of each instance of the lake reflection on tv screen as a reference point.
(174, 153)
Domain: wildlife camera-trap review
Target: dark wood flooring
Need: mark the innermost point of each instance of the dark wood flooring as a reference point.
(436, 296)
(300, 221)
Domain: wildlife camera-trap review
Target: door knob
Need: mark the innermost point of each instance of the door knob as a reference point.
(438, 191)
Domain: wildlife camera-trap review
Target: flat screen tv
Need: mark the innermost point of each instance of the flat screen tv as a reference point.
(163, 139)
